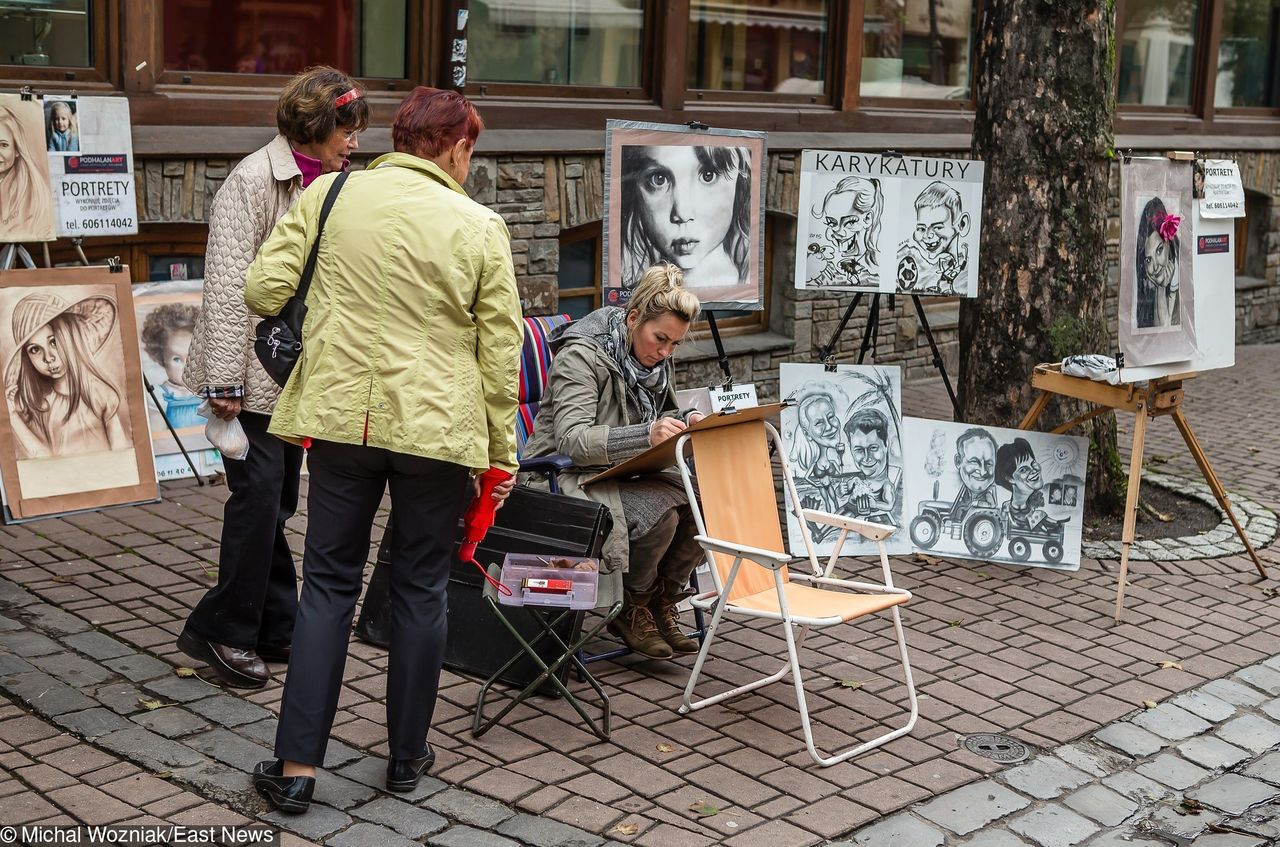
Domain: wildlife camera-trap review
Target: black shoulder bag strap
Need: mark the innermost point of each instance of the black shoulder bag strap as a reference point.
(304, 282)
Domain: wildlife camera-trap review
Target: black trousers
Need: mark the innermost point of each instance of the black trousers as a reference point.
(256, 598)
(346, 487)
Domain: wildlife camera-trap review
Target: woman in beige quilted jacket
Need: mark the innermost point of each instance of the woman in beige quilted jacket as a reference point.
(247, 619)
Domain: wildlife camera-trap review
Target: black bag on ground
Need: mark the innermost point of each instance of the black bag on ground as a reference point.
(531, 521)
(278, 341)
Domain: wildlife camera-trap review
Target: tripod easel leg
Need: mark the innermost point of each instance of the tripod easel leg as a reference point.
(937, 357)
(1033, 414)
(1184, 427)
(1131, 501)
(869, 332)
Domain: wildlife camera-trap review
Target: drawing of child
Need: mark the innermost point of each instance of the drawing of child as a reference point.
(934, 257)
(851, 214)
(166, 337)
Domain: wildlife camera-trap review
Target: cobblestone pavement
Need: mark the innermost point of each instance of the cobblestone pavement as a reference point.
(91, 606)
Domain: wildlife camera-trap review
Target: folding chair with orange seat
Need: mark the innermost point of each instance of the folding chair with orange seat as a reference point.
(742, 534)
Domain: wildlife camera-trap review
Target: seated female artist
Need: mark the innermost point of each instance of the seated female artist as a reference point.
(609, 397)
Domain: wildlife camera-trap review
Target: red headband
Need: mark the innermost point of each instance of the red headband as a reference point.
(344, 99)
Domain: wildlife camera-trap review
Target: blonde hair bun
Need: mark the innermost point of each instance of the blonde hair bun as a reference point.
(659, 291)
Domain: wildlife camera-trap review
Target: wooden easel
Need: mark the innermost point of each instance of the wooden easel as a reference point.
(1158, 398)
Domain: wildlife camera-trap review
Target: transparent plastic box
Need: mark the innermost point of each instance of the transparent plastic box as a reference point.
(582, 574)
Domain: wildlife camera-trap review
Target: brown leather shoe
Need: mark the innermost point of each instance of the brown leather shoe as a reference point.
(667, 619)
(275, 653)
(635, 626)
(236, 668)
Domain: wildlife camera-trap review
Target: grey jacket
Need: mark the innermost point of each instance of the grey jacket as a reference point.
(584, 401)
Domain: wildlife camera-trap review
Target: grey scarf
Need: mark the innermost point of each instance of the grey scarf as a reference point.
(607, 329)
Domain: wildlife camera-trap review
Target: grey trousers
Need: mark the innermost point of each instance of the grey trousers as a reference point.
(663, 557)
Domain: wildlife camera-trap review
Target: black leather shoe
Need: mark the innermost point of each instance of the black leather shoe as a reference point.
(289, 794)
(270, 653)
(235, 667)
(403, 774)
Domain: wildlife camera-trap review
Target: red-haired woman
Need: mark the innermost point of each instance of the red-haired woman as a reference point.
(407, 376)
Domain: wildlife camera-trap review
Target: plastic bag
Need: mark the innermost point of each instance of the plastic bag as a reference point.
(227, 436)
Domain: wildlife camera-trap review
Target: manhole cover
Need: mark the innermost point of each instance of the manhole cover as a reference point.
(1001, 748)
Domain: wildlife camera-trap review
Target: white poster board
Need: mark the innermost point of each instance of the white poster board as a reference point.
(91, 165)
(903, 224)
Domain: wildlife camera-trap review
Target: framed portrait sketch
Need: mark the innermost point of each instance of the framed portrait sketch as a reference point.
(26, 199)
(844, 444)
(166, 314)
(73, 431)
(995, 494)
(904, 224)
(691, 197)
(1157, 291)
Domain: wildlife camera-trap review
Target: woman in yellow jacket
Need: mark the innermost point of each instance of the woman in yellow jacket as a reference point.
(407, 376)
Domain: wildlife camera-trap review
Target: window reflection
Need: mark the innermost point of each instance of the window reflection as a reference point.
(359, 37)
(917, 48)
(556, 42)
(1158, 52)
(1248, 60)
(39, 33)
(758, 45)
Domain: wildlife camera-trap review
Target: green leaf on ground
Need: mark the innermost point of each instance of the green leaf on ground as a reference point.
(850, 683)
(184, 672)
(703, 809)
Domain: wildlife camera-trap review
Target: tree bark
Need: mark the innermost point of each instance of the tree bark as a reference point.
(1045, 103)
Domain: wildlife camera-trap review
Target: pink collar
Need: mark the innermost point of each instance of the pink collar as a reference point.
(312, 168)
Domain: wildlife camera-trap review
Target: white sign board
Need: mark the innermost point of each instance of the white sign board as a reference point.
(90, 150)
(1220, 191)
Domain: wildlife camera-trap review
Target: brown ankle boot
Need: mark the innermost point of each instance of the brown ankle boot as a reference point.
(635, 626)
(667, 619)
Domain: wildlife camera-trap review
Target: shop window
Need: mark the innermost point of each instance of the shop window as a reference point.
(1251, 236)
(917, 49)
(759, 45)
(46, 33)
(365, 38)
(1157, 56)
(1248, 66)
(579, 274)
(556, 42)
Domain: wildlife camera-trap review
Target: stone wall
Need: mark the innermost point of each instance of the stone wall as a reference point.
(540, 197)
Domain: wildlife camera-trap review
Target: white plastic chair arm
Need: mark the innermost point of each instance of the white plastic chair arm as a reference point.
(867, 529)
(853, 585)
(767, 558)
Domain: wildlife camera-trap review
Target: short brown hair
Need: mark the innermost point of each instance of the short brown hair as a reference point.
(306, 113)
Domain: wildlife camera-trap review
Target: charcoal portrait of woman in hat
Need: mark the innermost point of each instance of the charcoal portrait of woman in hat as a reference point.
(62, 398)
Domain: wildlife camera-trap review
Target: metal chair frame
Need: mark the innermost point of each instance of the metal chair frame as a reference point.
(719, 600)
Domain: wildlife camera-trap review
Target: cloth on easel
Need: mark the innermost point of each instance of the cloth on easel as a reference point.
(1093, 366)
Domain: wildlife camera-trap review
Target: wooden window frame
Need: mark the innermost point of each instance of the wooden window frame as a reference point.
(94, 78)
(585, 232)
(839, 17)
(145, 70)
(1203, 77)
(655, 21)
(1239, 112)
(853, 44)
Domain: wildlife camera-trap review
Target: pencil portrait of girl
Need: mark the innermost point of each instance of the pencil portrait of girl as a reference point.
(688, 197)
(64, 398)
(26, 197)
(1158, 246)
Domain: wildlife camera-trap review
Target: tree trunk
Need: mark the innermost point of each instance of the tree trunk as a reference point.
(1043, 126)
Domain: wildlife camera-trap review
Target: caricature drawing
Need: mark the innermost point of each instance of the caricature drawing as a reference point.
(850, 215)
(934, 257)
